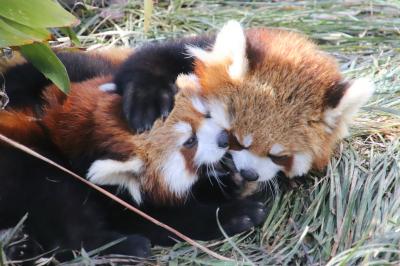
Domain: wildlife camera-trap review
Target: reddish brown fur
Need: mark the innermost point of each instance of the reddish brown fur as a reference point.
(115, 55)
(282, 98)
(20, 126)
(89, 121)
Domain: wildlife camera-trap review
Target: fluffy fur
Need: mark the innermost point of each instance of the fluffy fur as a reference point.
(146, 80)
(89, 131)
(291, 96)
(280, 91)
(158, 163)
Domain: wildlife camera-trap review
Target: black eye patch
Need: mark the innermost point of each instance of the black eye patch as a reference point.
(234, 144)
(191, 142)
(285, 161)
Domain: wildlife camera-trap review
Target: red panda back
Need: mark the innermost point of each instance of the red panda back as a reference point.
(87, 120)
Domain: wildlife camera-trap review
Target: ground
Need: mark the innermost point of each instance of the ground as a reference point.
(347, 215)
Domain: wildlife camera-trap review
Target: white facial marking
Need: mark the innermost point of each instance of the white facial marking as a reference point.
(247, 141)
(219, 113)
(276, 149)
(177, 177)
(183, 128)
(229, 44)
(208, 151)
(123, 174)
(355, 96)
(199, 105)
(265, 168)
(108, 87)
(301, 164)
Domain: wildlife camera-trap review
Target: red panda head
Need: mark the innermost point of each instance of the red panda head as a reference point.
(161, 164)
(287, 100)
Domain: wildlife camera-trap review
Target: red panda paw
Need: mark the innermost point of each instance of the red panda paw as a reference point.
(22, 249)
(133, 245)
(142, 106)
(241, 215)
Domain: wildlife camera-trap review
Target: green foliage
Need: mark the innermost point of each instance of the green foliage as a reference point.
(26, 24)
(43, 58)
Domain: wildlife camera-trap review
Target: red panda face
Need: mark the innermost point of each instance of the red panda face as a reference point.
(287, 100)
(195, 134)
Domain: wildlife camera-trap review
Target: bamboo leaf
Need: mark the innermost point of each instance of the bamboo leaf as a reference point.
(37, 13)
(13, 33)
(44, 59)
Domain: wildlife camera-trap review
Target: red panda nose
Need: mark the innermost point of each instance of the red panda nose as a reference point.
(223, 139)
(249, 174)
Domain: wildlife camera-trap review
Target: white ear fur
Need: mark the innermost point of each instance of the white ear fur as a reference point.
(355, 96)
(230, 44)
(188, 82)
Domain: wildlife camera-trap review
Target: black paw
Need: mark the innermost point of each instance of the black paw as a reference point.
(146, 101)
(241, 215)
(133, 245)
(22, 250)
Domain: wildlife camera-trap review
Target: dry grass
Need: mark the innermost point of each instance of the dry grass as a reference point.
(349, 215)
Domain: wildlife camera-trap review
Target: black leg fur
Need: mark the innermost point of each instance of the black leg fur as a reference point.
(197, 220)
(62, 212)
(147, 79)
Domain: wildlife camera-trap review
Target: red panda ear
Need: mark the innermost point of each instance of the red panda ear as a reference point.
(334, 94)
(188, 84)
(344, 101)
(228, 53)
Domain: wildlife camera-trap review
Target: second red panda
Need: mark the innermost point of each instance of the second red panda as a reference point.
(288, 102)
(161, 164)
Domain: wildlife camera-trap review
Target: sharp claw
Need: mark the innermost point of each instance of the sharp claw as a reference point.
(147, 127)
(140, 130)
(164, 114)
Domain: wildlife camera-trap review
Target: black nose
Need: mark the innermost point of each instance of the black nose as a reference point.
(249, 174)
(223, 139)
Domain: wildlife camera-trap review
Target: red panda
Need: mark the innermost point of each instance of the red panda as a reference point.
(159, 166)
(162, 163)
(288, 102)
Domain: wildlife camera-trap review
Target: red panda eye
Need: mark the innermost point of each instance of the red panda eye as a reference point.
(191, 142)
(207, 115)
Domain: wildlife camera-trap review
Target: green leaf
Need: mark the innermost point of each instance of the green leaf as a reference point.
(44, 59)
(13, 33)
(37, 13)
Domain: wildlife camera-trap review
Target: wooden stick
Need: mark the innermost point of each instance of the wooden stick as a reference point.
(113, 197)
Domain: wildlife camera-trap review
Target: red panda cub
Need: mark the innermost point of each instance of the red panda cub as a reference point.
(288, 102)
(161, 164)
